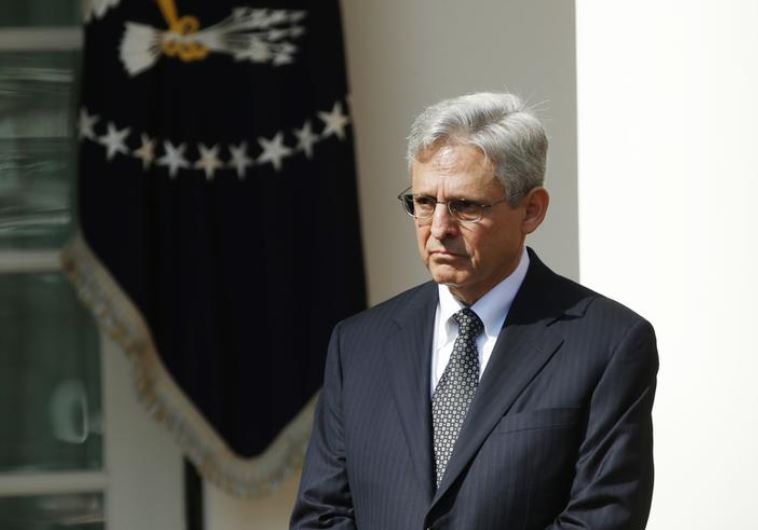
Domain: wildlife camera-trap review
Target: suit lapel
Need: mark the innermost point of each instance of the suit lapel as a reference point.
(524, 346)
(520, 353)
(409, 358)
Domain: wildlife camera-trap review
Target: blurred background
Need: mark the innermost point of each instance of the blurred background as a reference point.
(651, 112)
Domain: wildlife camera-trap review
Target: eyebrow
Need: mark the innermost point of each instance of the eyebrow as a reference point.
(452, 198)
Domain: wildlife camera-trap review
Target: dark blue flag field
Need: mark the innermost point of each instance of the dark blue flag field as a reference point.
(220, 238)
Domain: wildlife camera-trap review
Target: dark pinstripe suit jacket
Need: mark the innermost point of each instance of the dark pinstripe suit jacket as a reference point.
(559, 435)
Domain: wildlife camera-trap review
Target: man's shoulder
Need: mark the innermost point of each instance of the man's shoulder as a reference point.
(603, 317)
(420, 297)
(566, 295)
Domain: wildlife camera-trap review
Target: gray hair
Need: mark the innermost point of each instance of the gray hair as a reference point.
(504, 128)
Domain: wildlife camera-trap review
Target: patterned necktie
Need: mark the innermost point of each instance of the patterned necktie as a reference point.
(456, 389)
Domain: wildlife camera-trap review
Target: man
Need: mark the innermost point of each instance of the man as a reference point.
(500, 395)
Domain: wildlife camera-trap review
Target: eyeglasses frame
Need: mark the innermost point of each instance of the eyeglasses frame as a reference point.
(483, 205)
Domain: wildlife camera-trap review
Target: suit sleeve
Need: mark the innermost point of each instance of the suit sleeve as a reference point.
(323, 499)
(613, 483)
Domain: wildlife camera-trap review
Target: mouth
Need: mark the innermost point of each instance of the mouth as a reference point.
(442, 253)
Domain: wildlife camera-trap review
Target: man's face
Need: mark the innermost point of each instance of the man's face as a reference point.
(470, 258)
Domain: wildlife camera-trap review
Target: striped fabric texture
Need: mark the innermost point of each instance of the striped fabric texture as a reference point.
(557, 437)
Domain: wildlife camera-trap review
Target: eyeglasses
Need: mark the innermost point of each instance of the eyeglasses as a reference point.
(423, 206)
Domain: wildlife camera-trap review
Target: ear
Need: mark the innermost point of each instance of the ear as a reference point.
(535, 207)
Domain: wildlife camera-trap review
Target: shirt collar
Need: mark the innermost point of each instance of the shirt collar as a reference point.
(492, 308)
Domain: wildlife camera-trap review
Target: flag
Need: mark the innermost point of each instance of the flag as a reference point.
(219, 233)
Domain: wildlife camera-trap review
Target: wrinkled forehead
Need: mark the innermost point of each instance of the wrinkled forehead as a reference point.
(457, 169)
(451, 157)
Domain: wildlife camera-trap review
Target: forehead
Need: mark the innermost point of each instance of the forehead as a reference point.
(453, 166)
(453, 157)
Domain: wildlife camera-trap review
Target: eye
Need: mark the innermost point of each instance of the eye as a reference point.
(424, 205)
(465, 208)
(425, 201)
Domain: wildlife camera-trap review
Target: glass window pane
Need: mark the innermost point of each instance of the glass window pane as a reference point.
(81, 511)
(41, 13)
(36, 93)
(37, 151)
(35, 192)
(49, 377)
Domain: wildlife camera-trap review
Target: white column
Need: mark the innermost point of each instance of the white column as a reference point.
(144, 464)
(668, 186)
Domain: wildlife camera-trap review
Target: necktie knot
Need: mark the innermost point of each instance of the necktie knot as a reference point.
(469, 323)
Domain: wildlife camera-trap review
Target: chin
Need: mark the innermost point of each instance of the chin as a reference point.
(444, 276)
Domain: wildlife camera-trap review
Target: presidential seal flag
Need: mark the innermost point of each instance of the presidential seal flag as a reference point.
(220, 238)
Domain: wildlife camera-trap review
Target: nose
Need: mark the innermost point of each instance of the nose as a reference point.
(443, 224)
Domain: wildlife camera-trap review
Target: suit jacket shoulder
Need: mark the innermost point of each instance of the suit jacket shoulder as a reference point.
(551, 297)
(384, 319)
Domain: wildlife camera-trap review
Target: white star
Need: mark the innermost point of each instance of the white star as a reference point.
(306, 139)
(208, 161)
(87, 124)
(335, 122)
(146, 151)
(113, 141)
(240, 161)
(273, 150)
(174, 158)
